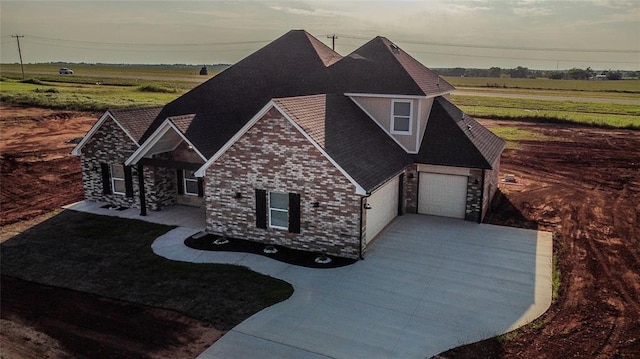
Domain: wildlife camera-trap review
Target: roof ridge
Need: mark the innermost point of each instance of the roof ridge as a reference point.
(412, 66)
(327, 55)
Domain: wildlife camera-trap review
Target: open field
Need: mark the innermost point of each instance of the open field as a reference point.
(87, 97)
(600, 114)
(99, 87)
(169, 72)
(580, 182)
(621, 86)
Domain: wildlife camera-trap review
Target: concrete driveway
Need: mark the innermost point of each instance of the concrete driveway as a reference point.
(427, 285)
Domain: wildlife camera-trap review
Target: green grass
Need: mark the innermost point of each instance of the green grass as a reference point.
(604, 108)
(610, 115)
(624, 86)
(513, 135)
(88, 97)
(112, 257)
(97, 70)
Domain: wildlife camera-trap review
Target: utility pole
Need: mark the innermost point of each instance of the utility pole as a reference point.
(19, 53)
(333, 41)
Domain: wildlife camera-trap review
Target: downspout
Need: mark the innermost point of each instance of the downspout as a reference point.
(360, 227)
(143, 203)
(481, 197)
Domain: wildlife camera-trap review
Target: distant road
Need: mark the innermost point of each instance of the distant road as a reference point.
(124, 75)
(545, 97)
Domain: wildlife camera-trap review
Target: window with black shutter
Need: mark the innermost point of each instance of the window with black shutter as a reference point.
(128, 181)
(261, 208)
(180, 177)
(106, 178)
(294, 213)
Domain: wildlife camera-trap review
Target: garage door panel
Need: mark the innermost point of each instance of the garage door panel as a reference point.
(384, 208)
(442, 195)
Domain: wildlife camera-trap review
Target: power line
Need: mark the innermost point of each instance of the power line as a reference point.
(19, 53)
(499, 47)
(152, 44)
(333, 41)
(517, 58)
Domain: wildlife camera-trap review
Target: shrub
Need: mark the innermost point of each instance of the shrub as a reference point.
(156, 88)
(32, 81)
(48, 90)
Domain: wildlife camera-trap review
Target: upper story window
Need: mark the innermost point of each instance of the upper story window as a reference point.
(401, 116)
(117, 179)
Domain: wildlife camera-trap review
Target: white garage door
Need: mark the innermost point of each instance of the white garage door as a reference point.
(442, 195)
(384, 208)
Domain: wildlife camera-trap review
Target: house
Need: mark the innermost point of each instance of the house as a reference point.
(298, 146)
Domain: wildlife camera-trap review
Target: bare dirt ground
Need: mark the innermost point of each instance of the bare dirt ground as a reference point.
(38, 172)
(583, 184)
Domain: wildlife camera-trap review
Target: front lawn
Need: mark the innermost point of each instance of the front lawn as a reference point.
(112, 257)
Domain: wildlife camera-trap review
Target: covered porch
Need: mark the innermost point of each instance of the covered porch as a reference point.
(183, 216)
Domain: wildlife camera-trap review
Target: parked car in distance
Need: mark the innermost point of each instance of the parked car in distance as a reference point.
(65, 71)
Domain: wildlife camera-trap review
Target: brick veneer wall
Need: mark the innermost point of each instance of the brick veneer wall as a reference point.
(474, 196)
(410, 195)
(164, 191)
(111, 145)
(274, 156)
(491, 178)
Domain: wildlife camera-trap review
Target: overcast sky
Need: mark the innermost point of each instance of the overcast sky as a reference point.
(477, 33)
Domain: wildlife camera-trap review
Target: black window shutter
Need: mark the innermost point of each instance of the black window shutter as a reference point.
(294, 213)
(180, 176)
(200, 187)
(261, 208)
(106, 178)
(128, 181)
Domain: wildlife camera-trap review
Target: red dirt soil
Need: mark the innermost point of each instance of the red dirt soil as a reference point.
(582, 183)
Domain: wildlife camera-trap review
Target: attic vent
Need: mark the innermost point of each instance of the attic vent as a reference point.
(394, 48)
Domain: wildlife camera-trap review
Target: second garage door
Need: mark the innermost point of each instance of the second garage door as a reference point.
(442, 195)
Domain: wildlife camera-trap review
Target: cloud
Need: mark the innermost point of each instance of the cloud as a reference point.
(532, 11)
(314, 12)
(615, 3)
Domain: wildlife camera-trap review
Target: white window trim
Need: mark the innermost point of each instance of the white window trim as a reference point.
(277, 210)
(393, 118)
(114, 179)
(184, 184)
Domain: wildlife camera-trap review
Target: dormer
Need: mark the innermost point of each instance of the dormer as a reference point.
(403, 118)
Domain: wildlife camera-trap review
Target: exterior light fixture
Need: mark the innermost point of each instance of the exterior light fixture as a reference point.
(367, 206)
(316, 204)
(238, 195)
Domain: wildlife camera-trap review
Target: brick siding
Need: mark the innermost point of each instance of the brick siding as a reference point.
(274, 156)
(111, 145)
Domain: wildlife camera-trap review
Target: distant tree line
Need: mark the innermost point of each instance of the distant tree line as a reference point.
(524, 72)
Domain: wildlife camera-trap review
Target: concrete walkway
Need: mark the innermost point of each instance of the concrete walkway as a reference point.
(427, 285)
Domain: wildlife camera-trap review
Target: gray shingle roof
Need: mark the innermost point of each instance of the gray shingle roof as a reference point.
(453, 138)
(349, 136)
(380, 67)
(298, 70)
(136, 120)
(182, 122)
(292, 65)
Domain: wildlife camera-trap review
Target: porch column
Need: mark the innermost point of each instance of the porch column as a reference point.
(143, 202)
